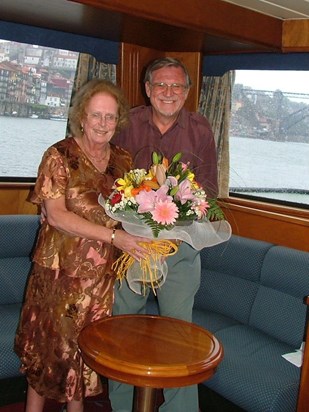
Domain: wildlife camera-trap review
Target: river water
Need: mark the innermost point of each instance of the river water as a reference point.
(268, 164)
(254, 163)
(23, 142)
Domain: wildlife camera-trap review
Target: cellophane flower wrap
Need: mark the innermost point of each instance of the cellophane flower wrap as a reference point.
(164, 202)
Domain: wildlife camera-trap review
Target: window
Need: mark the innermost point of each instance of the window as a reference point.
(35, 92)
(269, 136)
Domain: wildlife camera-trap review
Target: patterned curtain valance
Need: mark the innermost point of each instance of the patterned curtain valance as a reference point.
(89, 68)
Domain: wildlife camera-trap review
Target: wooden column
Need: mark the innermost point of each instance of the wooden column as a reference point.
(131, 68)
(193, 61)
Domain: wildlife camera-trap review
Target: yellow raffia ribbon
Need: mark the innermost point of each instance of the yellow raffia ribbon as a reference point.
(156, 250)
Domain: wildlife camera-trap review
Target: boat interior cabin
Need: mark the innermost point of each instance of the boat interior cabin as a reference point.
(215, 39)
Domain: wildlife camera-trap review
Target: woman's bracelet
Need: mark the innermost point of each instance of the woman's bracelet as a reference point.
(113, 236)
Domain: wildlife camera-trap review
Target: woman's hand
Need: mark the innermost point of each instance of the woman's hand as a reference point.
(68, 222)
(131, 244)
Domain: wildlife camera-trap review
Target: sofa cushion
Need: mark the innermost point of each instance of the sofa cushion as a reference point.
(230, 277)
(214, 295)
(284, 284)
(14, 273)
(18, 234)
(239, 256)
(10, 363)
(213, 321)
(17, 239)
(253, 374)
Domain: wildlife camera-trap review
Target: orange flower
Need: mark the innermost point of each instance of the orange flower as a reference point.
(135, 191)
(165, 162)
(153, 183)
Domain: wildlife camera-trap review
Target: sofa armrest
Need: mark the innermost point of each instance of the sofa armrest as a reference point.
(303, 396)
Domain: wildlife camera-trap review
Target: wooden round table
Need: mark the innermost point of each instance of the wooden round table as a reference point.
(150, 352)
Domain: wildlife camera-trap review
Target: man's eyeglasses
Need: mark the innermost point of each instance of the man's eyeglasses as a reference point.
(97, 117)
(175, 87)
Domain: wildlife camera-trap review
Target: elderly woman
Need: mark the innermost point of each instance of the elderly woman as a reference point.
(72, 281)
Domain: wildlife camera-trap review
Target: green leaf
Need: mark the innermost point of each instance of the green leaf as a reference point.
(176, 157)
(214, 212)
(154, 226)
(155, 158)
(174, 190)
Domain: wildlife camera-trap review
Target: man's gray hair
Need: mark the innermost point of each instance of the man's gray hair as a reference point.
(166, 62)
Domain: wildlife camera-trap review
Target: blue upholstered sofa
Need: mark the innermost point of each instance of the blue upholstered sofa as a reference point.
(251, 298)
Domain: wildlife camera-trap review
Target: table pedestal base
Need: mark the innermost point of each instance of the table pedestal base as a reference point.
(144, 399)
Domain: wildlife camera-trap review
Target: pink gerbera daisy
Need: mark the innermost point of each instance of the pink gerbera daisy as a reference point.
(165, 212)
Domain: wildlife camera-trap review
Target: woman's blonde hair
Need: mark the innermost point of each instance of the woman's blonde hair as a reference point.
(82, 97)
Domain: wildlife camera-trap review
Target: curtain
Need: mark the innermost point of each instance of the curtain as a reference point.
(88, 68)
(215, 105)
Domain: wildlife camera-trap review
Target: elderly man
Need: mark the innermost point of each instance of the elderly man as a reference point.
(167, 127)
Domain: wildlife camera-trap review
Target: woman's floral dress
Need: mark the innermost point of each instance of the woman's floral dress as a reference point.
(71, 283)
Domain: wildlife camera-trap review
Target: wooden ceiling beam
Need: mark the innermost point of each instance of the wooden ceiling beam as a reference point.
(205, 26)
(208, 17)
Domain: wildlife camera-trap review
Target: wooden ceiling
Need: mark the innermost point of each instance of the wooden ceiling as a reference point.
(207, 26)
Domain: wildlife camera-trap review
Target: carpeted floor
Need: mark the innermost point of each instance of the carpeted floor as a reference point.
(98, 403)
(13, 393)
(91, 405)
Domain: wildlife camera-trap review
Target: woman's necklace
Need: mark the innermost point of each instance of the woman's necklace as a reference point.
(97, 158)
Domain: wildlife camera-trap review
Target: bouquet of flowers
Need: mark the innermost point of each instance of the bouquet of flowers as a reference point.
(165, 202)
(165, 196)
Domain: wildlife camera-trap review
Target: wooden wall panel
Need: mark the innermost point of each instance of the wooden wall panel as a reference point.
(14, 200)
(295, 35)
(132, 65)
(270, 226)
